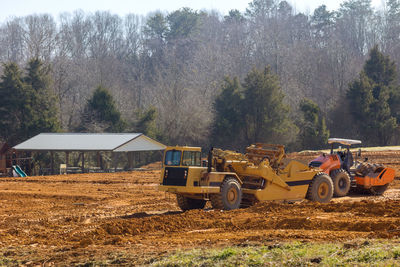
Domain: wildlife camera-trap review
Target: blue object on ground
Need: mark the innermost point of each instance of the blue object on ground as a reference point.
(19, 171)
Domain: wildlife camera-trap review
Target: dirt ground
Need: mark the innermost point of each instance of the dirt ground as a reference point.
(121, 218)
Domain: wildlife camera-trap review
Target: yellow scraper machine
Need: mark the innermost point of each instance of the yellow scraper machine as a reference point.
(232, 180)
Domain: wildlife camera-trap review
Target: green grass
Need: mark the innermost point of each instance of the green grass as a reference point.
(360, 253)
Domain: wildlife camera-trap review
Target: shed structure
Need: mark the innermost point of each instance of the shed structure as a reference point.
(89, 142)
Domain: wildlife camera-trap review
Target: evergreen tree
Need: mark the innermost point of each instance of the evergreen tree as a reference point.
(228, 120)
(43, 100)
(182, 23)
(146, 123)
(266, 115)
(15, 105)
(369, 98)
(156, 27)
(313, 131)
(101, 113)
(251, 112)
(234, 16)
(379, 68)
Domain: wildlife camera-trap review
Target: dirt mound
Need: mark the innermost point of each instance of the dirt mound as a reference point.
(376, 219)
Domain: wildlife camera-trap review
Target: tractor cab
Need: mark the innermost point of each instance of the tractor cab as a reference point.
(179, 163)
(341, 158)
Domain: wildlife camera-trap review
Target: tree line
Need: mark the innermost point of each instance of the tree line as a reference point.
(269, 74)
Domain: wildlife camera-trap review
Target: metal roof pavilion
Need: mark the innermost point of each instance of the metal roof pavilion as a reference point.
(115, 142)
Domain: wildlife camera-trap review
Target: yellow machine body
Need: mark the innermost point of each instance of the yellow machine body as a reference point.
(259, 172)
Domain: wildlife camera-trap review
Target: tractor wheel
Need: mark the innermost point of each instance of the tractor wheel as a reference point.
(378, 190)
(230, 196)
(186, 203)
(341, 182)
(320, 189)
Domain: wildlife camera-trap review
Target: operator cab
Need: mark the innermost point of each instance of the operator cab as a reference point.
(346, 157)
(182, 156)
(339, 159)
(178, 163)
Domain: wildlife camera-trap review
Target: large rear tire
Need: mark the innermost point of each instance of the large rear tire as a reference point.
(341, 182)
(320, 189)
(229, 197)
(186, 203)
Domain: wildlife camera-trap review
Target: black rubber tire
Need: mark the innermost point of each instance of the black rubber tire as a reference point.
(321, 188)
(186, 203)
(230, 195)
(341, 182)
(378, 190)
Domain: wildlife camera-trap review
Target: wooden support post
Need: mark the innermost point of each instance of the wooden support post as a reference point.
(130, 160)
(52, 162)
(98, 159)
(102, 163)
(66, 158)
(115, 161)
(29, 163)
(83, 162)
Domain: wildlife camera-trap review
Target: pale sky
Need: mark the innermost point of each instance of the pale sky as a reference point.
(17, 8)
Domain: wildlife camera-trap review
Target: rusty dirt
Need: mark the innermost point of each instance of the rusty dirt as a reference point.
(122, 218)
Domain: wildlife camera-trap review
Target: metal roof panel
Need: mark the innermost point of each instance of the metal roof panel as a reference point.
(140, 143)
(343, 141)
(77, 141)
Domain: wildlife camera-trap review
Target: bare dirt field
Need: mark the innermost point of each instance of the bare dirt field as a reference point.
(121, 218)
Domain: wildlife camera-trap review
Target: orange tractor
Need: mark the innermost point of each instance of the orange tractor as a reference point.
(347, 173)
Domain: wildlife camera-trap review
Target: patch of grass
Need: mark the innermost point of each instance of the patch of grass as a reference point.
(8, 262)
(224, 254)
(360, 253)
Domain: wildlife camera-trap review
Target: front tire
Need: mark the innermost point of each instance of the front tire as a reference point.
(186, 203)
(230, 196)
(341, 182)
(320, 189)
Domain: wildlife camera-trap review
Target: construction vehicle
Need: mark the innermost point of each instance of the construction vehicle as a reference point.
(232, 180)
(347, 173)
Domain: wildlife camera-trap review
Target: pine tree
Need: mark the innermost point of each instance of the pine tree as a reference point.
(15, 105)
(379, 68)
(146, 123)
(251, 112)
(101, 113)
(43, 100)
(313, 131)
(228, 118)
(266, 115)
(369, 97)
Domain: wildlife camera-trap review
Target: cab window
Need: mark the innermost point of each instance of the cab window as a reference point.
(191, 158)
(173, 157)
